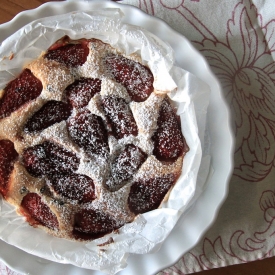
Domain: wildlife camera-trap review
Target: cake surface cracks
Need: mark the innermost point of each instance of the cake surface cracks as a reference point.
(88, 143)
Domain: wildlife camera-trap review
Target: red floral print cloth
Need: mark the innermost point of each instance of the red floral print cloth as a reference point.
(238, 40)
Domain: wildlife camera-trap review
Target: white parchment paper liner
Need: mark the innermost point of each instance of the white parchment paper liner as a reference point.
(191, 96)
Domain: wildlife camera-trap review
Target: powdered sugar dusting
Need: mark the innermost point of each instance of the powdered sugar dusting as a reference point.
(112, 88)
(108, 131)
(137, 78)
(116, 204)
(146, 113)
(54, 77)
(92, 68)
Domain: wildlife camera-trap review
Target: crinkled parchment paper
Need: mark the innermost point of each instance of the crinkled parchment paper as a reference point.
(191, 95)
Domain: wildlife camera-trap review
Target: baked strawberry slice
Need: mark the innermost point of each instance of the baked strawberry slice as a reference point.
(50, 113)
(74, 187)
(119, 116)
(63, 160)
(36, 161)
(125, 165)
(88, 132)
(82, 90)
(37, 212)
(48, 158)
(92, 224)
(8, 156)
(136, 78)
(147, 194)
(69, 54)
(24, 88)
(169, 142)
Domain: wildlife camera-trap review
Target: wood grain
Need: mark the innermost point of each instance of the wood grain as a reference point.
(8, 9)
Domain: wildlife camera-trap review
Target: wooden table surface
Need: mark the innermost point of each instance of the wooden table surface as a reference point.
(8, 9)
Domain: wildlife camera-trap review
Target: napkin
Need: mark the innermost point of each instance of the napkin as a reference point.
(238, 40)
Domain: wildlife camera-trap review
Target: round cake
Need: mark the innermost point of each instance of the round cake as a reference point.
(86, 142)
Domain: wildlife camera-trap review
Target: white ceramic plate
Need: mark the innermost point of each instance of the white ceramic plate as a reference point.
(201, 215)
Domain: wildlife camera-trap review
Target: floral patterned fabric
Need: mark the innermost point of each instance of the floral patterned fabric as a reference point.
(238, 40)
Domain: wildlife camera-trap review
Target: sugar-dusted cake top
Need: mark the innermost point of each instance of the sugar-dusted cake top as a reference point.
(86, 142)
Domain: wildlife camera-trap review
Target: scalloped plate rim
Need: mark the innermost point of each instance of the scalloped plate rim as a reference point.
(162, 258)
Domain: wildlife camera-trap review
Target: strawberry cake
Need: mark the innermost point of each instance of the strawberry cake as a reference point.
(86, 142)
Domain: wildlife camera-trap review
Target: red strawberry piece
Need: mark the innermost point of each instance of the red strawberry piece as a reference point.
(8, 155)
(92, 224)
(19, 91)
(76, 187)
(88, 132)
(119, 116)
(125, 165)
(62, 159)
(50, 113)
(82, 90)
(69, 54)
(36, 161)
(37, 212)
(169, 142)
(136, 78)
(147, 194)
(47, 158)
